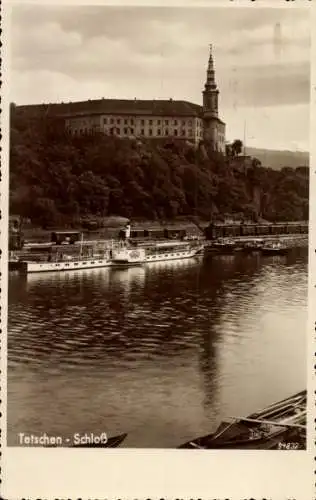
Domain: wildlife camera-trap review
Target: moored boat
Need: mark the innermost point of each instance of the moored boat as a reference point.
(252, 246)
(222, 246)
(276, 427)
(225, 245)
(274, 248)
(88, 255)
(158, 252)
(65, 264)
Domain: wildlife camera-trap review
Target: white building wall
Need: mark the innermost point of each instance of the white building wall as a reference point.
(189, 128)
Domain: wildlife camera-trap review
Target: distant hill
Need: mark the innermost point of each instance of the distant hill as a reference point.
(279, 159)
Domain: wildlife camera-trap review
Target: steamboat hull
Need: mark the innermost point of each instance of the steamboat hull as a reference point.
(40, 267)
(138, 257)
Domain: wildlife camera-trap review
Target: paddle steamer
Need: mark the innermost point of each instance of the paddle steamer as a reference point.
(113, 253)
(158, 252)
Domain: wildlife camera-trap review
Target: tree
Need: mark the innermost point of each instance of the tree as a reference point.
(255, 163)
(68, 179)
(236, 147)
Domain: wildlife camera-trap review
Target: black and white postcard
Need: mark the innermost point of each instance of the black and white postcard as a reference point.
(157, 250)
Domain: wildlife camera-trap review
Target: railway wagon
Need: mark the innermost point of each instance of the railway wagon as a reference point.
(214, 231)
(158, 233)
(147, 233)
(65, 237)
(262, 230)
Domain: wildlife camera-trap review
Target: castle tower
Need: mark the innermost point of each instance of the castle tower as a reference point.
(213, 127)
(210, 92)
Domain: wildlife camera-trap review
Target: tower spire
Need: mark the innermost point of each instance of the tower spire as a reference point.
(210, 92)
(213, 127)
(210, 83)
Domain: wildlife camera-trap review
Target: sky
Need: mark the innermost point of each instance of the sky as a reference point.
(262, 62)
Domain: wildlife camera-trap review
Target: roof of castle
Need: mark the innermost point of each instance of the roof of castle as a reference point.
(159, 107)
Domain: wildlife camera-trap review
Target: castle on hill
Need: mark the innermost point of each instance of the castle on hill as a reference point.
(150, 119)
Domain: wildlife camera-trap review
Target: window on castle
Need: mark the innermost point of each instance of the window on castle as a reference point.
(118, 121)
(150, 132)
(150, 122)
(143, 122)
(183, 131)
(166, 122)
(111, 121)
(158, 122)
(132, 121)
(105, 121)
(125, 131)
(183, 122)
(132, 131)
(142, 131)
(176, 122)
(166, 132)
(118, 131)
(159, 132)
(125, 121)
(175, 132)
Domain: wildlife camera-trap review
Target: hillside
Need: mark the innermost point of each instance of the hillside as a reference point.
(59, 179)
(279, 159)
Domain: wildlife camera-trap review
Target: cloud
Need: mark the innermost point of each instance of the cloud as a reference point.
(268, 85)
(48, 85)
(67, 53)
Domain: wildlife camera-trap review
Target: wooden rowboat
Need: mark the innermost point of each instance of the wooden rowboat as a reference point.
(279, 426)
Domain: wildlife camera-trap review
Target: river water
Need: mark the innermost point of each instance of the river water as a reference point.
(163, 352)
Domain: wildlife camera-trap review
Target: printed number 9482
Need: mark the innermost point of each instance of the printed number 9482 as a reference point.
(288, 446)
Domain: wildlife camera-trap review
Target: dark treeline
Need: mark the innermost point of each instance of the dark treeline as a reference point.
(59, 179)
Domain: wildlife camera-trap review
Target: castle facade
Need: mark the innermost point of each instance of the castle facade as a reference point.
(153, 119)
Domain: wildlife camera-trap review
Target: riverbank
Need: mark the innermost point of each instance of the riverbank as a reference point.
(43, 235)
(147, 228)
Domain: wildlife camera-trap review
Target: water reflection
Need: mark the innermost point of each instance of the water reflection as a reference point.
(61, 278)
(162, 351)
